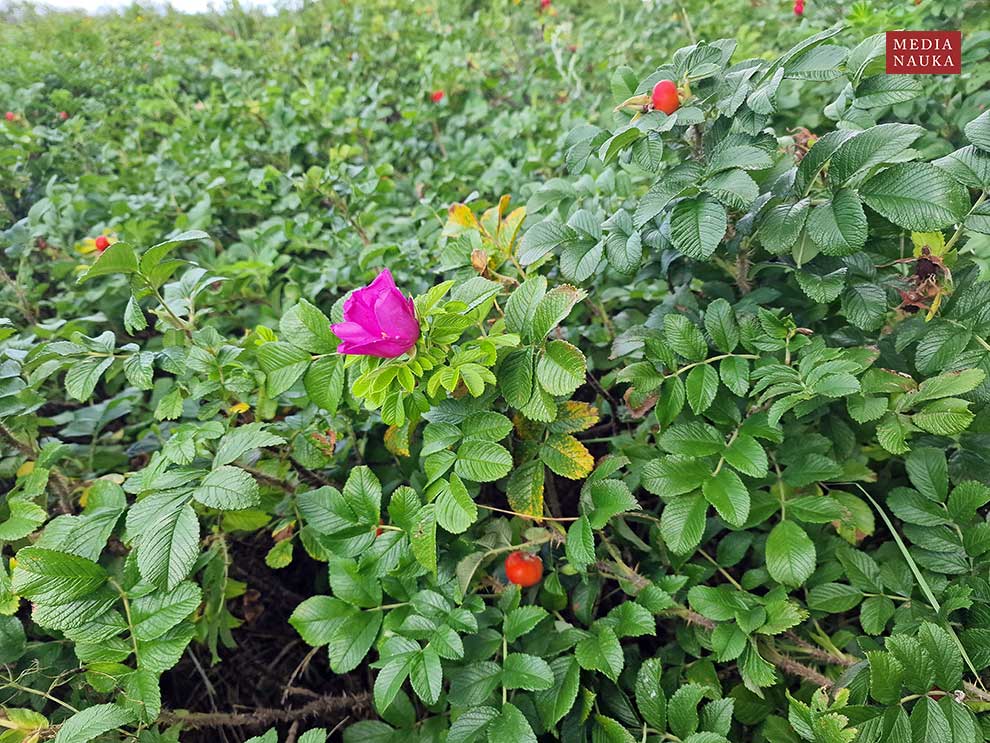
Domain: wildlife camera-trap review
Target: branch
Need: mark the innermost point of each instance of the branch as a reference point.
(263, 716)
(59, 483)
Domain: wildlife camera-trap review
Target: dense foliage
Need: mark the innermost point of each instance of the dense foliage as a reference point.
(673, 426)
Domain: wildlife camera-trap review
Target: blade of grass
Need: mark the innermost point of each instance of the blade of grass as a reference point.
(925, 588)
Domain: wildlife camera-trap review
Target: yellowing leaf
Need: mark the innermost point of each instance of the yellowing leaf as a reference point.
(397, 440)
(460, 217)
(567, 456)
(241, 407)
(525, 489)
(934, 241)
(25, 469)
(574, 416)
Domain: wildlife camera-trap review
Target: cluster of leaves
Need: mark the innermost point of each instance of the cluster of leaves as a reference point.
(729, 383)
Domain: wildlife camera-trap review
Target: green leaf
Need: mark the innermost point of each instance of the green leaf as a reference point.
(682, 523)
(349, 583)
(791, 555)
(611, 731)
(946, 417)
(620, 140)
(512, 725)
(522, 671)
(664, 190)
(701, 387)
(426, 675)
(143, 694)
(347, 631)
(928, 722)
(554, 308)
(734, 373)
(170, 406)
(865, 305)
(228, 488)
(747, 456)
(697, 227)
(782, 225)
(139, 369)
(580, 545)
(542, 238)
(456, 510)
(631, 620)
(946, 660)
(243, 439)
(978, 131)
(650, 698)
(153, 257)
(729, 495)
(168, 544)
(874, 613)
(470, 724)
(521, 620)
(916, 196)
(692, 439)
(878, 144)
(839, 226)
(305, 327)
(929, 473)
(609, 498)
(887, 90)
(118, 258)
(324, 383)
(49, 577)
(734, 188)
(520, 308)
(283, 364)
(423, 537)
(482, 461)
(682, 710)
(949, 384)
(155, 614)
(94, 721)
(720, 322)
(82, 376)
(555, 702)
(602, 652)
(390, 678)
(561, 368)
(684, 338)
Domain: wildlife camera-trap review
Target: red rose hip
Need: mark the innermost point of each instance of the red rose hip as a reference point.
(437, 96)
(102, 243)
(665, 97)
(523, 569)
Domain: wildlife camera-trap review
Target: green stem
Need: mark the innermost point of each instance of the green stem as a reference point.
(709, 361)
(962, 225)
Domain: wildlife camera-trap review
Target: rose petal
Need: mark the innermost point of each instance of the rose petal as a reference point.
(395, 317)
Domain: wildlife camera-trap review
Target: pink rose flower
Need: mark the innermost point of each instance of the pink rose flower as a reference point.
(378, 321)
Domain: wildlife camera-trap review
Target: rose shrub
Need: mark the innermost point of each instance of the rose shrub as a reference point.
(693, 446)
